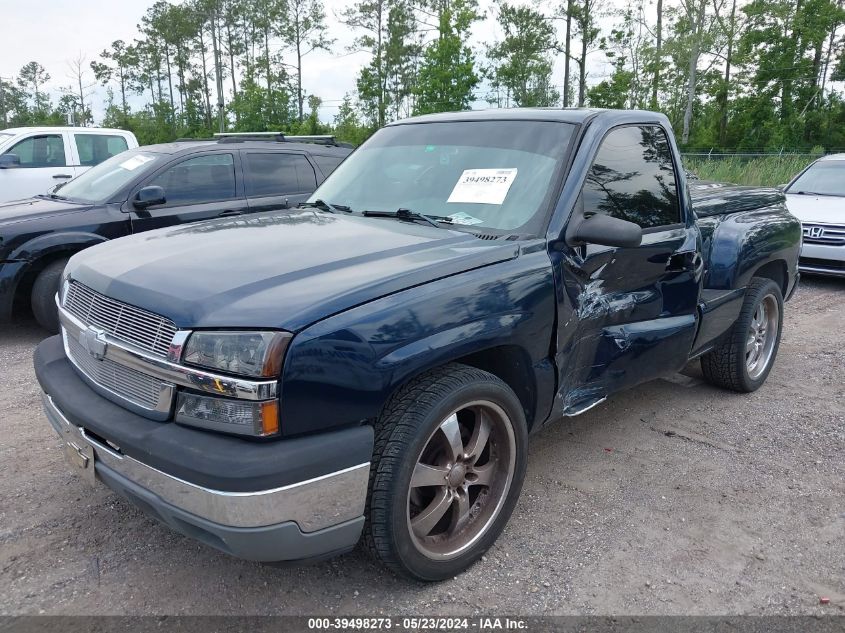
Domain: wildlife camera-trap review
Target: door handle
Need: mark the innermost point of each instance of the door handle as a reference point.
(62, 176)
(229, 213)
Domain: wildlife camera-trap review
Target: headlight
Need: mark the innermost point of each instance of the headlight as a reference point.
(230, 416)
(241, 353)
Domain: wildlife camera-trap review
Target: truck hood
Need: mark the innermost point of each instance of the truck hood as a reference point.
(821, 209)
(276, 270)
(15, 211)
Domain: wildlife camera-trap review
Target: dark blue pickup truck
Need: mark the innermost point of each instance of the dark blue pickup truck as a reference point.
(370, 367)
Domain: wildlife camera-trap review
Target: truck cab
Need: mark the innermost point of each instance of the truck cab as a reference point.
(36, 159)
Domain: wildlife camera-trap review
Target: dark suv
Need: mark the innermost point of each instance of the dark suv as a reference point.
(149, 188)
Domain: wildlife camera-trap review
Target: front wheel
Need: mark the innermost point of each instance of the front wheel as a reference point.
(743, 360)
(448, 466)
(44, 295)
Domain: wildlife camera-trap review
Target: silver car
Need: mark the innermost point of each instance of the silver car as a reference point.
(816, 196)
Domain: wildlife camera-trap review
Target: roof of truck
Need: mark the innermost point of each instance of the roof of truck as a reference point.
(185, 146)
(828, 157)
(63, 128)
(563, 115)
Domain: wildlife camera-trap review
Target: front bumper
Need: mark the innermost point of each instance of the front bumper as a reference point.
(311, 517)
(822, 259)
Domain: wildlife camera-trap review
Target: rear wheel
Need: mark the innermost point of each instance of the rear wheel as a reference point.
(448, 467)
(743, 360)
(44, 295)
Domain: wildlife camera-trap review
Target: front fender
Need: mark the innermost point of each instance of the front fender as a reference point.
(341, 371)
(48, 243)
(11, 272)
(24, 256)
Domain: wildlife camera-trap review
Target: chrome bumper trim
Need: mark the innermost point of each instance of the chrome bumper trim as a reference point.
(313, 504)
(171, 372)
(818, 270)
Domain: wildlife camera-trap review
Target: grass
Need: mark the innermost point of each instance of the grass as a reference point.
(768, 171)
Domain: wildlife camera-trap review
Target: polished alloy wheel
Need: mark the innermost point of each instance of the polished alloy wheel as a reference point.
(762, 336)
(461, 479)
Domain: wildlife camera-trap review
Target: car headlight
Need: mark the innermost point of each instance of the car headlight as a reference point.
(241, 353)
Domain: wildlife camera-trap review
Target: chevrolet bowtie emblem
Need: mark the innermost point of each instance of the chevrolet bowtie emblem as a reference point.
(94, 341)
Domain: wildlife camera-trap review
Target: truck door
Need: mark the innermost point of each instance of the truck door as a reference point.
(277, 180)
(196, 188)
(41, 161)
(632, 310)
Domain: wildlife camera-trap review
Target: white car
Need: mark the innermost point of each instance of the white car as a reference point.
(35, 159)
(816, 196)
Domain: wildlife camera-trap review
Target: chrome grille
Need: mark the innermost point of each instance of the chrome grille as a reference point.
(123, 381)
(143, 329)
(831, 234)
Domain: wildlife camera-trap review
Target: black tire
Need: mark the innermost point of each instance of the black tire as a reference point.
(727, 365)
(44, 295)
(405, 430)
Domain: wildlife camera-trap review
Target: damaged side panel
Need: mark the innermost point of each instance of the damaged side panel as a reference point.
(625, 316)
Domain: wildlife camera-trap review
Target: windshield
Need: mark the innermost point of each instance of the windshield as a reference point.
(825, 177)
(4, 138)
(486, 174)
(100, 183)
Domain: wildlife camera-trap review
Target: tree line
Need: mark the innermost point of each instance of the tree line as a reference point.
(730, 74)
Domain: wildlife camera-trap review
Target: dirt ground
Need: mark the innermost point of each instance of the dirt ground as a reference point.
(673, 498)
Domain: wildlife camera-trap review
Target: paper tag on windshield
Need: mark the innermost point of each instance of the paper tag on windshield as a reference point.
(135, 162)
(483, 186)
(464, 218)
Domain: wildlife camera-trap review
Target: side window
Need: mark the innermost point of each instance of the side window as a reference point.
(44, 150)
(206, 178)
(95, 148)
(632, 178)
(274, 174)
(327, 164)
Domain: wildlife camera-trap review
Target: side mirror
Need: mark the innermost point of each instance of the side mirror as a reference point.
(605, 230)
(149, 197)
(9, 160)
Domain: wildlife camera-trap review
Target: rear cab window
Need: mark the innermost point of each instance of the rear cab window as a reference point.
(93, 149)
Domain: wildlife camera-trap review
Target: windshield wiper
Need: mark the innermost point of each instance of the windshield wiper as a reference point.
(407, 214)
(816, 193)
(56, 196)
(322, 205)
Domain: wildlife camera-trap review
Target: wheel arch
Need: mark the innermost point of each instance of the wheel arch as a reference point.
(777, 271)
(510, 363)
(43, 251)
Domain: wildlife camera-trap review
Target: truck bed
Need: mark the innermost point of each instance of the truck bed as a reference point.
(719, 198)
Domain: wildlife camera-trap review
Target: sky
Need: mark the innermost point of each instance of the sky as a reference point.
(62, 30)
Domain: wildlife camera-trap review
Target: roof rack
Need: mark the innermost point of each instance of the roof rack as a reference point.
(236, 137)
(321, 139)
(279, 137)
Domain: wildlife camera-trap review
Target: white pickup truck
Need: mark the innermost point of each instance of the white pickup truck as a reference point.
(35, 159)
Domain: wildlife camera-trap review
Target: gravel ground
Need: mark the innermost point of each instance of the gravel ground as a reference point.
(673, 498)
